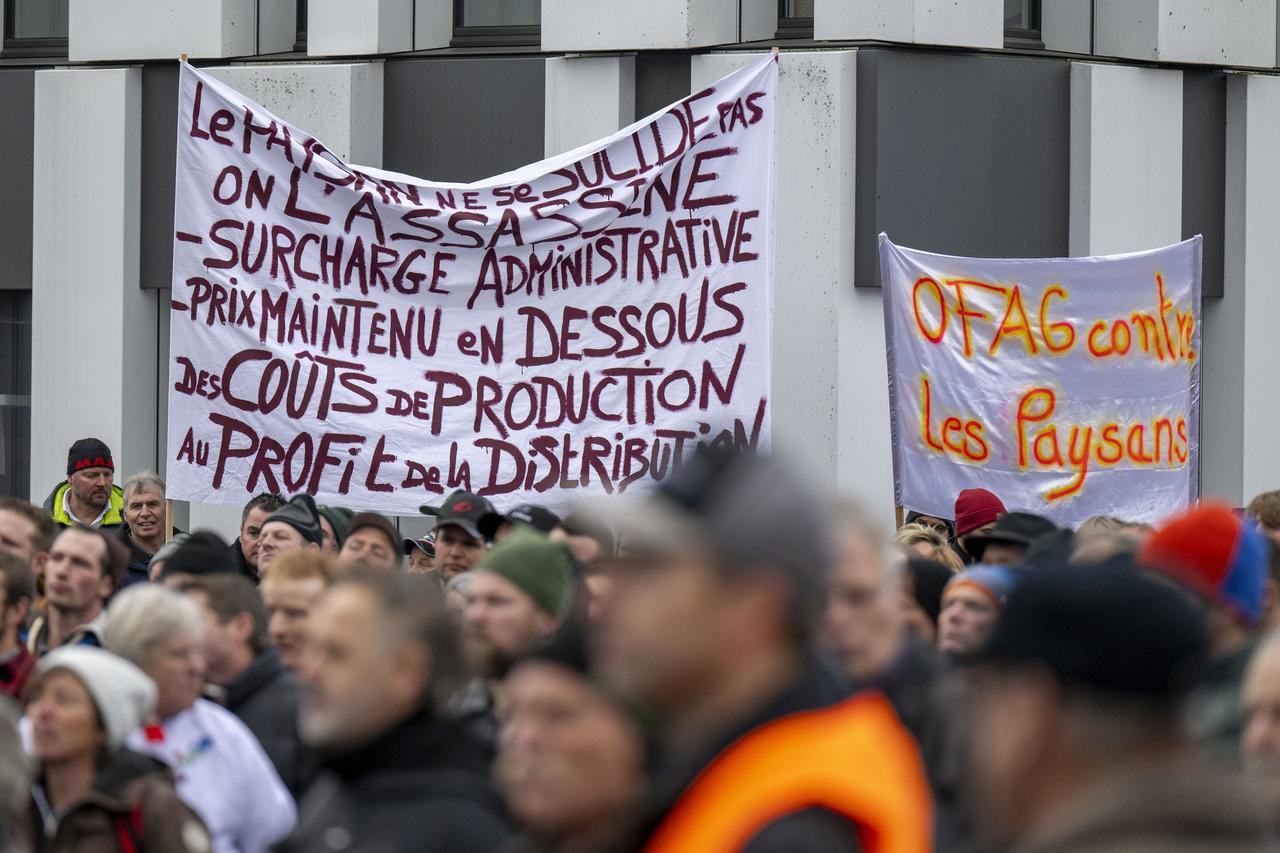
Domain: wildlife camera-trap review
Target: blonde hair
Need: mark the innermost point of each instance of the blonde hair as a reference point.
(1099, 524)
(303, 564)
(939, 549)
(947, 556)
(915, 533)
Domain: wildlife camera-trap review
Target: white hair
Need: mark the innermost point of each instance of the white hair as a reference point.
(146, 614)
(143, 481)
(460, 583)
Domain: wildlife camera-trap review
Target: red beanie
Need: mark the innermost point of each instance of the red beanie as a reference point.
(974, 508)
(1196, 548)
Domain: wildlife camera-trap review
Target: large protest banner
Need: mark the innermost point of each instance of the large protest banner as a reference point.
(566, 330)
(1069, 387)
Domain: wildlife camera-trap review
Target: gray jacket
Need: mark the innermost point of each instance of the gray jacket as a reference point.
(1151, 811)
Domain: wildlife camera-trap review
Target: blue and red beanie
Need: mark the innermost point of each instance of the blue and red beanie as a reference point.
(993, 581)
(1214, 553)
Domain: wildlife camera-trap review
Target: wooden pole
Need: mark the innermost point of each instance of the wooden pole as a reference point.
(168, 515)
(897, 511)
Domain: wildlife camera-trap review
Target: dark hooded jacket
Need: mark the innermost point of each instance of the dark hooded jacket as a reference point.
(139, 568)
(265, 698)
(1157, 810)
(132, 795)
(242, 565)
(422, 786)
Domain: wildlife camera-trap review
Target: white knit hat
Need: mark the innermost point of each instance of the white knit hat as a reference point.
(123, 693)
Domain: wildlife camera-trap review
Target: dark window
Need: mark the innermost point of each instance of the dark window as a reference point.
(502, 23)
(300, 44)
(35, 28)
(15, 392)
(795, 19)
(1022, 23)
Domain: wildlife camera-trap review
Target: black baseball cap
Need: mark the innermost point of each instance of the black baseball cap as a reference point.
(425, 544)
(461, 509)
(1012, 528)
(538, 517)
(1110, 627)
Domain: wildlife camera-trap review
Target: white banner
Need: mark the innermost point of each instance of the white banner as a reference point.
(566, 330)
(1070, 387)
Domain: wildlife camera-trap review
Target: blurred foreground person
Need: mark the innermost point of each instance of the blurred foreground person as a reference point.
(866, 631)
(255, 685)
(222, 771)
(90, 794)
(1077, 744)
(592, 543)
(15, 782)
(710, 627)
(381, 658)
(1223, 559)
(291, 586)
(571, 760)
(971, 604)
(519, 595)
(1261, 699)
(455, 593)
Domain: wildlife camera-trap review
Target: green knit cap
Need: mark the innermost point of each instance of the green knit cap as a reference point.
(339, 517)
(541, 568)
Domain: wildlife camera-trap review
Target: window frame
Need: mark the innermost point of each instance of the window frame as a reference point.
(17, 447)
(1030, 36)
(522, 35)
(43, 47)
(300, 27)
(792, 26)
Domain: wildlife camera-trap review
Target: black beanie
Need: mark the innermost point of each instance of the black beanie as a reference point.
(928, 579)
(204, 553)
(301, 514)
(567, 647)
(89, 453)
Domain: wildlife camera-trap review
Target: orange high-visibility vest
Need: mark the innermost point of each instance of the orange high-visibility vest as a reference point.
(855, 759)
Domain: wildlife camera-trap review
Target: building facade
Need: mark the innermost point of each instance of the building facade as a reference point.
(975, 127)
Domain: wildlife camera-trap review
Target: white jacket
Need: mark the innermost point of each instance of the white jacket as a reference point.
(224, 775)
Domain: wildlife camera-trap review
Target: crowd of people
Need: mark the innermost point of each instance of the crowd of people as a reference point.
(730, 662)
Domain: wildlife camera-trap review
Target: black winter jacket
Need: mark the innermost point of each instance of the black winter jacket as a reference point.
(421, 787)
(265, 698)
